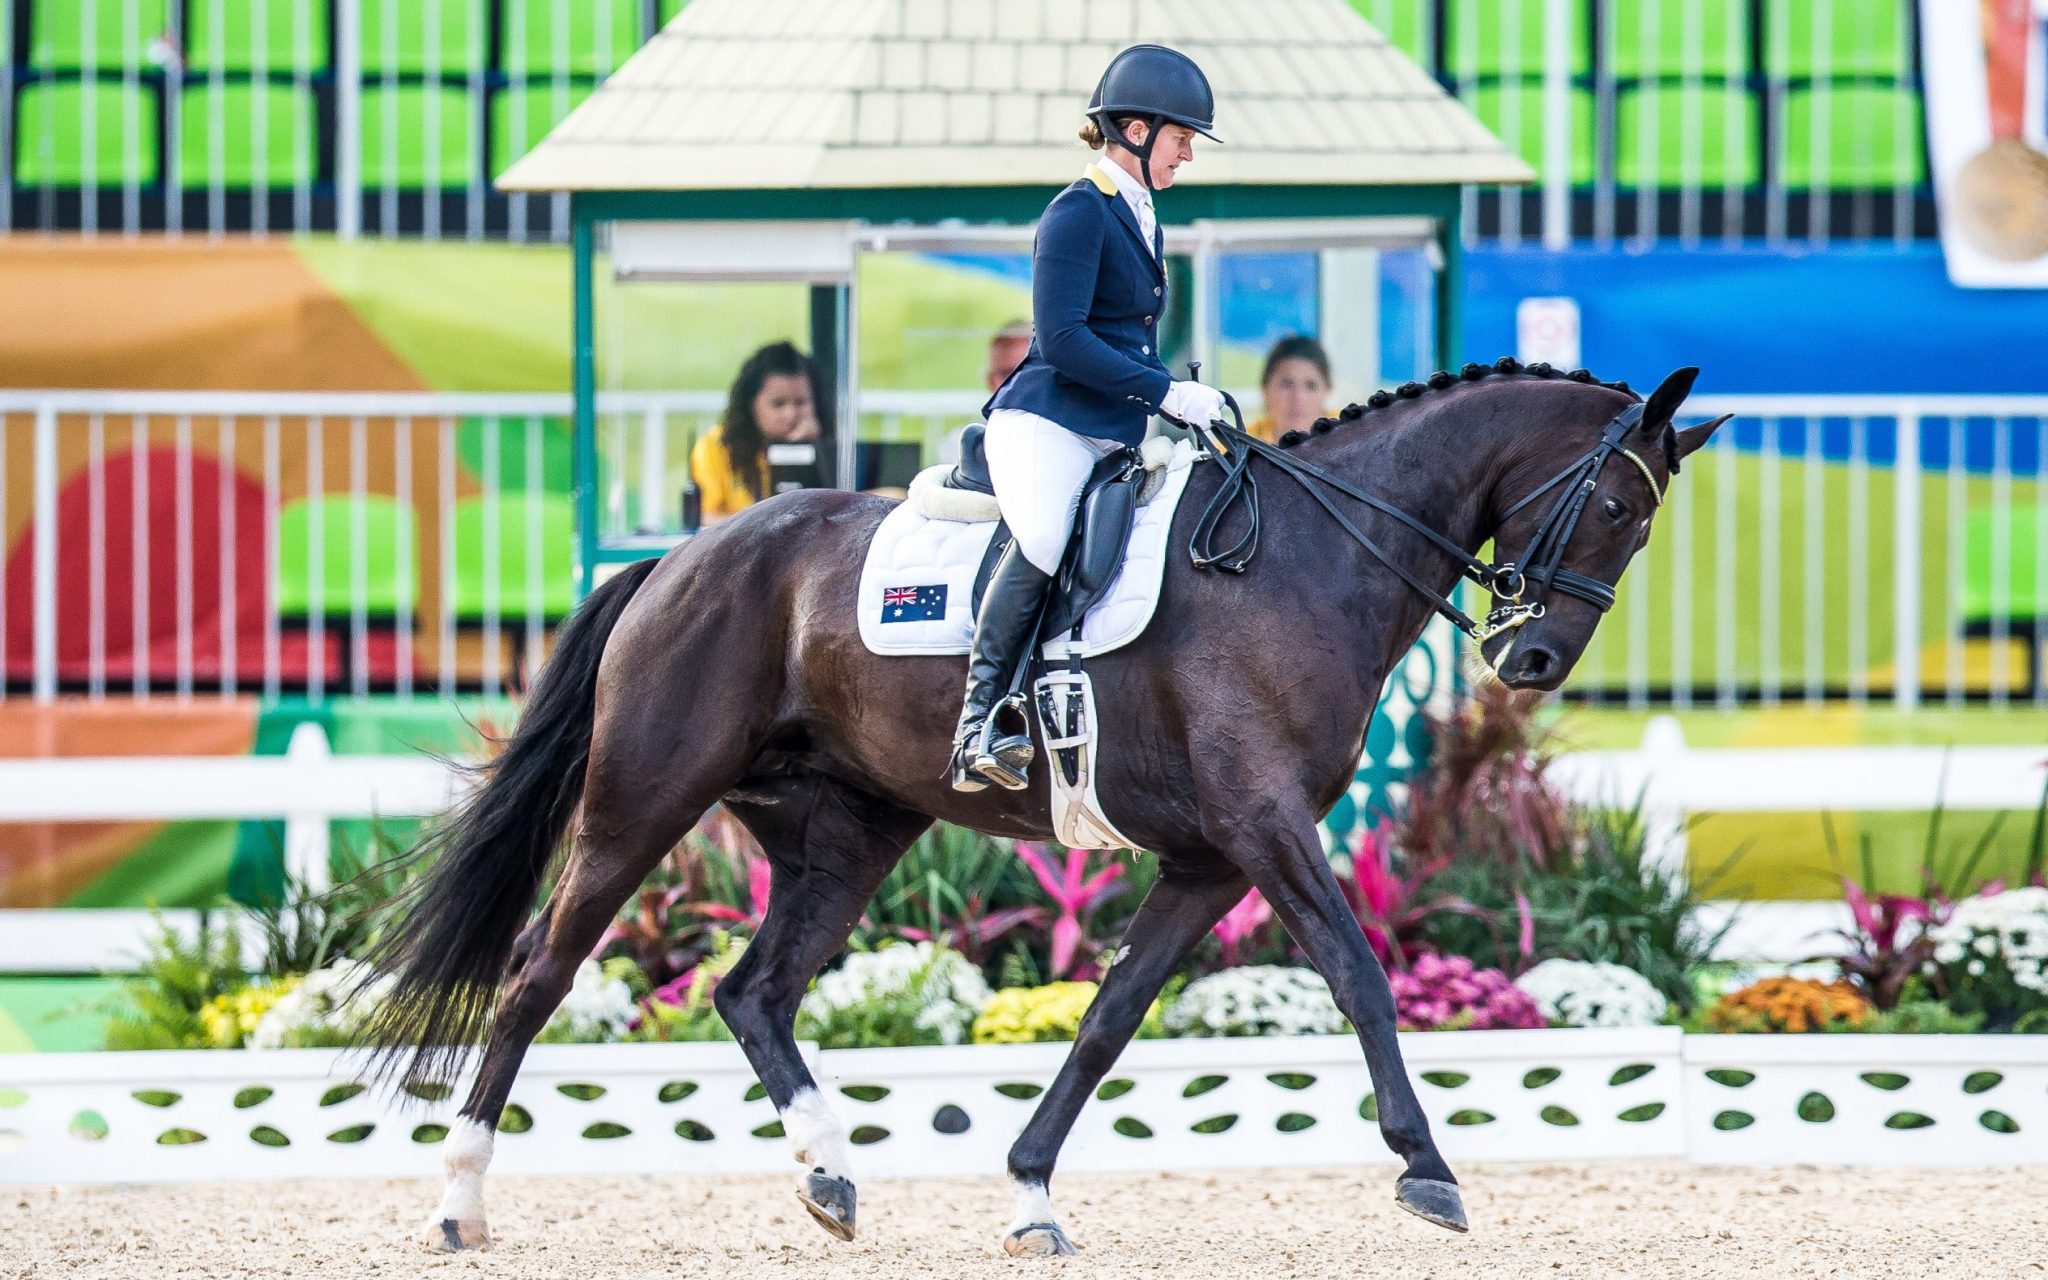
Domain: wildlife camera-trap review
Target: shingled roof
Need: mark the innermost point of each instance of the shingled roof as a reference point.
(762, 94)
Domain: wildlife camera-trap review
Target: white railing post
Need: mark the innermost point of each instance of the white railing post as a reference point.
(348, 117)
(44, 514)
(306, 831)
(1557, 125)
(1906, 563)
(1663, 806)
(654, 467)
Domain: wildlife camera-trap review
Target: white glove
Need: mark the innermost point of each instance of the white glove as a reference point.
(1197, 403)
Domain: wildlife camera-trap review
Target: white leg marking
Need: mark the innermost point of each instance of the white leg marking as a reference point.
(465, 1154)
(1034, 1206)
(815, 1136)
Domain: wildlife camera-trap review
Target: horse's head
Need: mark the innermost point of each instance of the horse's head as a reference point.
(1566, 535)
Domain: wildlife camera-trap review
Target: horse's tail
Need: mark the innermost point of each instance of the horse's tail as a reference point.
(454, 928)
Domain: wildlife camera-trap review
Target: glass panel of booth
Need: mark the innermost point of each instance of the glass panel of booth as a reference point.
(905, 326)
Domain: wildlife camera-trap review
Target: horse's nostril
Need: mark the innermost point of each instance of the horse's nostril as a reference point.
(1536, 663)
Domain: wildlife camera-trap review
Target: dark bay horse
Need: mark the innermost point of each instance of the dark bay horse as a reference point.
(732, 671)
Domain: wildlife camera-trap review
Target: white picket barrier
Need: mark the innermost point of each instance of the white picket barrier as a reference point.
(1556, 1095)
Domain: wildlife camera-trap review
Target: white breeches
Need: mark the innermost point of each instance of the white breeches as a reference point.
(1038, 468)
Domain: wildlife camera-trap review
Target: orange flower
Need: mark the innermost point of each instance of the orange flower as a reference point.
(1790, 1004)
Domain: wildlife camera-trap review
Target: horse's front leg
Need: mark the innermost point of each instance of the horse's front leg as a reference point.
(1182, 906)
(1277, 847)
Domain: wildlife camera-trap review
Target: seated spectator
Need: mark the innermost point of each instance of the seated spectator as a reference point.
(1295, 388)
(774, 401)
(1006, 349)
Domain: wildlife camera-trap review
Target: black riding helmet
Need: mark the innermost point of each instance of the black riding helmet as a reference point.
(1158, 85)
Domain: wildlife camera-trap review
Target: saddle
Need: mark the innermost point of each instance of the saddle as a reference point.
(1120, 483)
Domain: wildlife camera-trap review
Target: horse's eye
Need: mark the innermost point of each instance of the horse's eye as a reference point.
(1614, 508)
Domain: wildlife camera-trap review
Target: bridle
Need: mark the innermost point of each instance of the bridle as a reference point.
(1521, 589)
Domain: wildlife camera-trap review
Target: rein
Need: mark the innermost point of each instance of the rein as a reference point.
(1508, 582)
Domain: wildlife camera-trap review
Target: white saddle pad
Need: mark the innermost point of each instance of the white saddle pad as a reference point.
(917, 584)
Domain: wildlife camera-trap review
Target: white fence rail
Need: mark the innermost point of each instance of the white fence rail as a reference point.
(309, 787)
(1675, 782)
(953, 1112)
(1823, 548)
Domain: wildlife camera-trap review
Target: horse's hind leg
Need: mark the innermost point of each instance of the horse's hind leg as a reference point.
(1182, 906)
(610, 859)
(829, 847)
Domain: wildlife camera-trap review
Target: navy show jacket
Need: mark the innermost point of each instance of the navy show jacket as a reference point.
(1097, 293)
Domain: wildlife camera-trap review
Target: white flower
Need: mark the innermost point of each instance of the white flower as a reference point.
(2009, 927)
(949, 988)
(1581, 993)
(1256, 1000)
(597, 1009)
(327, 1005)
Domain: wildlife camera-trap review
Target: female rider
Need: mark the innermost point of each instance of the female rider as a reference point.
(1091, 381)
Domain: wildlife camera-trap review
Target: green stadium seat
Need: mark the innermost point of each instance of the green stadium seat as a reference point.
(1862, 38)
(569, 37)
(476, 594)
(406, 36)
(2020, 597)
(400, 124)
(1872, 139)
(389, 550)
(62, 39)
(289, 153)
(51, 144)
(1405, 23)
(1650, 38)
(283, 36)
(1724, 150)
(521, 119)
(1490, 102)
(473, 437)
(1504, 38)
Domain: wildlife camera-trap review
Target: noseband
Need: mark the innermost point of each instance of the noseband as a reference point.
(1520, 588)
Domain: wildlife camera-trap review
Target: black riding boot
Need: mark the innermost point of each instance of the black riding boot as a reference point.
(993, 743)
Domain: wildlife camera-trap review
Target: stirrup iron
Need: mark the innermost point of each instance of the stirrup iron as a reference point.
(1004, 757)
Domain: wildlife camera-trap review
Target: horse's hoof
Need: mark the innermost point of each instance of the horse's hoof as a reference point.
(1432, 1201)
(1038, 1240)
(447, 1235)
(831, 1202)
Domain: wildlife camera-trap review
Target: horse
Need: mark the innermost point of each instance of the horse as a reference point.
(731, 672)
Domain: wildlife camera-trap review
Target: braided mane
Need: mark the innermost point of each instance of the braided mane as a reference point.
(1506, 366)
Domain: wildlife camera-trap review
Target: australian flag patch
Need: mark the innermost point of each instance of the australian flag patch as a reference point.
(913, 604)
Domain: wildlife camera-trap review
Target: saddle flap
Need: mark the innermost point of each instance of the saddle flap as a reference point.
(1109, 507)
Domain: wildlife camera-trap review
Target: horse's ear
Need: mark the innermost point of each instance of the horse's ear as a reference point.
(1688, 441)
(1663, 403)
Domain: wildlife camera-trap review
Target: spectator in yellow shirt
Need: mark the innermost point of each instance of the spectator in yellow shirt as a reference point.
(1295, 387)
(774, 400)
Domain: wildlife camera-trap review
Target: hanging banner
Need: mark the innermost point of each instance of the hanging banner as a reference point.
(1988, 139)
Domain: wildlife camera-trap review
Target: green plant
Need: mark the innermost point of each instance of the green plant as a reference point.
(160, 1006)
(1485, 793)
(1602, 896)
(961, 888)
(306, 929)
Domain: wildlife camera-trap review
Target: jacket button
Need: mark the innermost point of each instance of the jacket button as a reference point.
(1145, 350)
(1155, 290)
(1148, 319)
